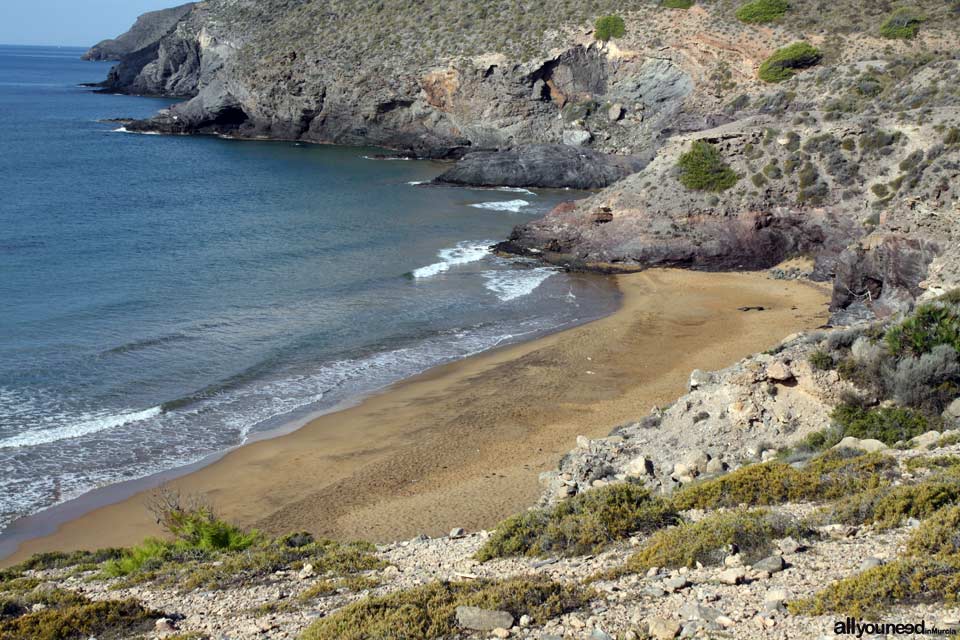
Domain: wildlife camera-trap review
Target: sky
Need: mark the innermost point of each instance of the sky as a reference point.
(71, 22)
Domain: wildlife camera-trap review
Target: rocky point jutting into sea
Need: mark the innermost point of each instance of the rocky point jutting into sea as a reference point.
(815, 143)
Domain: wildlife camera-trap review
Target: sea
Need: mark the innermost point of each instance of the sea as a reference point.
(164, 299)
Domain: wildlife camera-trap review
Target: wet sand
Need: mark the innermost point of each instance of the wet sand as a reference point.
(462, 445)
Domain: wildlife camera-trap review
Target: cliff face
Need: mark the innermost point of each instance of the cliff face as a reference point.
(858, 145)
(148, 29)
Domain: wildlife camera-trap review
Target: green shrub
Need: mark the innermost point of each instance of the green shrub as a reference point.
(887, 507)
(708, 540)
(78, 618)
(583, 524)
(820, 360)
(930, 325)
(904, 581)
(62, 560)
(760, 11)
(608, 27)
(702, 168)
(826, 477)
(676, 4)
(785, 62)
(938, 535)
(952, 137)
(429, 612)
(902, 24)
(886, 424)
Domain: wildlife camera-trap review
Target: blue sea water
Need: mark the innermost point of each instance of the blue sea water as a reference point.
(165, 298)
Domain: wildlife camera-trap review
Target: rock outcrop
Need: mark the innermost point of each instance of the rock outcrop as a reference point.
(144, 34)
(544, 166)
(867, 143)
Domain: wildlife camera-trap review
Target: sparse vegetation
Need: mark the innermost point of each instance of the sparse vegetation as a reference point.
(902, 24)
(702, 168)
(428, 612)
(887, 507)
(584, 524)
(760, 11)
(820, 360)
(65, 615)
(708, 540)
(826, 477)
(785, 62)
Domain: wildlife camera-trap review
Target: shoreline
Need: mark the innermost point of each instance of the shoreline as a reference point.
(462, 444)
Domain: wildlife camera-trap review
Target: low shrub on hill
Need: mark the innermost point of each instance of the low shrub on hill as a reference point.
(902, 24)
(887, 507)
(787, 61)
(676, 4)
(583, 524)
(609, 27)
(826, 477)
(708, 540)
(886, 424)
(429, 612)
(55, 614)
(760, 11)
(702, 168)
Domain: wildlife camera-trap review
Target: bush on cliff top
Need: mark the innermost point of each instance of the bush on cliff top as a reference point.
(785, 62)
(902, 24)
(760, 11)
(702, 168)
(583, 524)
(608, 27)
(429, 612)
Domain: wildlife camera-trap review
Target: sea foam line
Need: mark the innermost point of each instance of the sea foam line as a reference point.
(463, 253)
(86, 427)
(510, 285)
(507, 205)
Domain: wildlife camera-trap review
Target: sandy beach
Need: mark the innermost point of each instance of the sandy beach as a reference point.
(463, 444)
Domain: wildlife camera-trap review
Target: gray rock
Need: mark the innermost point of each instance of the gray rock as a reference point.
(788, 546)
(868, 444)
(773, 564)
(546, 166)
(600, 634)
(695, 611)
(662, 628)
(457, 532)
(676, 584)
(479, 619)
(699, 379)
(576, 137)
(146, 32)
(870, 563)
(926, 440)
(953, 411)
(615, 112)
(732, 576)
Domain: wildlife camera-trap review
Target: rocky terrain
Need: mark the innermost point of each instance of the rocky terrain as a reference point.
(851, 159)
(816, 481)
(800, 486)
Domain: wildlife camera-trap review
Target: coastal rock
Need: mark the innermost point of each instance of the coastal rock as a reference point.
(479, 619)
(144, 34)
(952, 412)
(544, 166)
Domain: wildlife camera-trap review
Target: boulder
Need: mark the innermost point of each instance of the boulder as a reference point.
(733, 576)
(479, 619)
(773, 564)
(779, 372)
(576, 137)
(615, 112)
(869, 445)
(639, 467)
(926, 440)
(952, 412)
(662, 628)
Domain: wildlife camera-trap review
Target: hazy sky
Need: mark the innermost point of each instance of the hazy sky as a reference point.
(71, 22)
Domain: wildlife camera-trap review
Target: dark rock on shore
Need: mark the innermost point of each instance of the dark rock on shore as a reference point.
(545, 166)
(146, 32)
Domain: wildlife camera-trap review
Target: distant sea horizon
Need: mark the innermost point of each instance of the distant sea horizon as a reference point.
(168, 298)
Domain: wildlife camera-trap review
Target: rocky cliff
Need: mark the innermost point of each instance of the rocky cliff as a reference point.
(145, 33)
(853, 162)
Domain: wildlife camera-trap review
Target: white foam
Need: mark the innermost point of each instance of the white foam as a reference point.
(515, 190)
(508, 205)
(417, 182)
(82, 428)
(510, 285)
(463, 253)
(142, 133)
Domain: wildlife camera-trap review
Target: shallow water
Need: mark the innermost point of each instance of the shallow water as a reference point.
(165, 298)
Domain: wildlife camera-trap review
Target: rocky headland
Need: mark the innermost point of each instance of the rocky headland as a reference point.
(811, 482)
